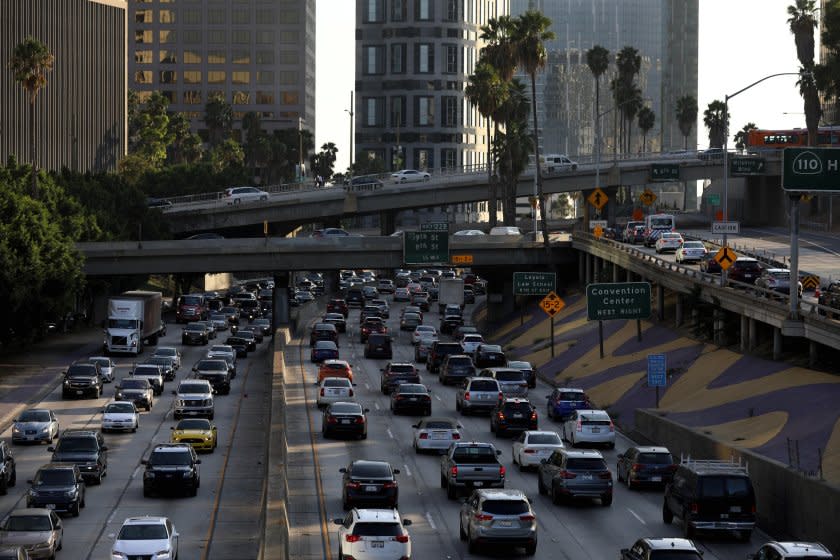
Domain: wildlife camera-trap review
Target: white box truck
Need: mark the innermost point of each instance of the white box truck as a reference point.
(450, 292)
(133, 321)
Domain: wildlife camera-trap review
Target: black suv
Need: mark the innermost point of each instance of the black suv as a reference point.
(456, 367)
(57, 486)
(216, 372)
(438, 351)
(172, 466)
(85, 448)
(513, 415)
(378, 345)
(8, 468)
(82, 380)
(711, 496)
(323, 331)
(355, 297)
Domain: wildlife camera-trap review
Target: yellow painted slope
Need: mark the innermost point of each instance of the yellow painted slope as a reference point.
(749, 432)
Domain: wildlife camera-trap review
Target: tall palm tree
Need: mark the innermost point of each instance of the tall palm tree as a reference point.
(598, 60)
(531, 33)
(647, 118)
(716, 120)
(741, 136)
(508, 150)
(627, 95)
(803, 22)
(686, 116)
(218, 116)
(500, 50)
(487, 91)
(30, 62)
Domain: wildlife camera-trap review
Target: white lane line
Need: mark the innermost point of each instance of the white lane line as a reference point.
(367, 386)
(134, 474)
(111, 518)
(390, 435)
(633, 513)
(431, 522)
(438, 398)
(376, 405)
(407, 470)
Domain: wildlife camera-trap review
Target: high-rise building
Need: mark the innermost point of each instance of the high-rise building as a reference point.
(258, 54)
(413, 61)
(830, 109)
(80, 115)
(665, 33)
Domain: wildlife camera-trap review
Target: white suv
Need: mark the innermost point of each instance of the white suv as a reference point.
(194, 397)
(589, 426)
(373, 534)
(781, 550)
(235, 195)
(146, 537)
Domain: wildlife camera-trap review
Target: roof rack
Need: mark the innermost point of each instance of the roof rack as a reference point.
(715, 464)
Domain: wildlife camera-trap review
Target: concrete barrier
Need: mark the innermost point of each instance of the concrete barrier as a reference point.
(276, 536)
(789, 504)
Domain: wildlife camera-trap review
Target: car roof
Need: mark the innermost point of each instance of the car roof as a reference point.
(333, 361)
(376, 515)
(593, 412)
(172, 447)
(670, 544)
(519, 364)
(144, 520)
(438, 419)
(583, 453)
(652, 449)
(570, 389)
(509, 494)
(29, 512)
(796, 549)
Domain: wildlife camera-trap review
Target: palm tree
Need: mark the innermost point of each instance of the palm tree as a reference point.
(647, 118)
(218, 116)
(500, 50)
(513, 113)
(487, 92)
(686, 116)
(627, 95)
(741, 136)
(803, 22)
(531, 32)
(30, 62)
(716, 120)
(598, 60)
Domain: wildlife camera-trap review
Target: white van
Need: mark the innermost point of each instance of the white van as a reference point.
(660, 221)
(505, 230)
(557, 163)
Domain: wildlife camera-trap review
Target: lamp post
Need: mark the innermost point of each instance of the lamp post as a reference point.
(351, 113)
(300, 149)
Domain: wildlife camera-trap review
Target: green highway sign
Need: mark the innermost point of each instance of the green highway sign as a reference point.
(713, 199)
(621, 300)
(664, 172)
(811, 170)
(426, 247)
(746, 165)
(534, 283)
(435, 226)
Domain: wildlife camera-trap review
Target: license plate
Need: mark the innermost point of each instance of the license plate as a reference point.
(50, 506)
(724, 516)
(79, 391)
(505, 524)
(345, 421)
(377, 544)
(370, 488)
(735, 509)
(412, 398)
(656, 479)
(587, 477)
(517, 416)
(192, 412)
(438, 436)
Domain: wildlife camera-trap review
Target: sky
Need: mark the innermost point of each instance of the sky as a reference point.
(741, 41)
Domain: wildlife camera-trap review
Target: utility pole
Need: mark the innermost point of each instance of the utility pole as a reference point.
(351, 135)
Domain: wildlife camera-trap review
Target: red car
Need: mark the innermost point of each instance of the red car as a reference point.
(373, 325)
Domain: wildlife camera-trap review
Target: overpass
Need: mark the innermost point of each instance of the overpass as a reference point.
(299, 204)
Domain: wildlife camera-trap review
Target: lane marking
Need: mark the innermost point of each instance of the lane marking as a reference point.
(407, 470)
(390, 435)
(438, 398)
(634, 514)
(376, 405)
(136, 472)
(367, 386)
(431, 521)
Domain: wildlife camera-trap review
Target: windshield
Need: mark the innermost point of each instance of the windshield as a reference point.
(142, 532)
(171, 352)
(477, 385)
(411, 388)
(192, 388)
(154, 371)
(674, 555)
(190, 300)
(694, 245)
(34, 416)
(193, 424)
(29, 523)
(218, 317)
(120, 408)
(212, 365)
(544, 439)
(55, 477)
(663, 222)
(226, 349)
(655, 459)
(103, 362)
(335, 382)
(82, 370)
(74, 445)
(483, 454)
(460, 362)
(345, 408)
(122, 323)
(724, 486)
(586, 464)
(170, 458)
(438, 425)
(371, 470)
(135, 384)
(194, 327)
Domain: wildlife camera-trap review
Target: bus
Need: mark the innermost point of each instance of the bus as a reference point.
(772, 140)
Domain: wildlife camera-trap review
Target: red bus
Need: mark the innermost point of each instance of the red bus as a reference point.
(762, 140)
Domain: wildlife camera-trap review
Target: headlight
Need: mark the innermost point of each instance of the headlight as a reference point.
(32, 493)
(117, 555)
(118, 395)
(162, 555)
(186, 474)
(70, 493)
(148, 474)
(67, 382)
(45, 544)
(15, 430)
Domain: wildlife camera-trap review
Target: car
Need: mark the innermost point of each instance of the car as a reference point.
(710, 266)
(378, 345)
(469, 294)
(146, 536)
(194, 398)
(106, 367)
(8, 468)
(478, 394)
(395, 373)
(557, 163)
(589, 426)
(264, 325)
(710, 154)
(38, 530)
(370, 292)
(455, 369)
(572, 473)
(239, 344)
(711, 495)
(169, 352)
(532, 446)
(424, 346)
(513, 415)
(468, 233)
(85, 448)
(330, 232)
(171, 467)
(167, 366)
(120, 416)
(668, 241)
(137, 390)
(628, 234)
(250, 309)
(58, 487)
(563, 401)
(372, 325)
(13, 552)
(323, 331)
(421, 300)
(384, 308)
(410, 176)
(411, 309)
(216, 372)
(366, 182)
(385, 286)
(355, 297)
(410, 322)
(435, 434)
(498, 517)
(338, 320)
(237, 195)
(410, 397)
(640, 465)
(651, 235)
(361, 531)
(489, 355)
(653, 549)
(223, 352)
(335, 368)
(527, 369)
(82, 380)
(200, 433)
(39, 425)
(369, 310)
(829, 297)
(464, 329)
(152, 372)
(194, 333)
(323, 350)
(745, 269)
(420, 331)
(161, 203)
(512, 382)
(219, 321)
(334, 389)
(208, 327)
(232, 313)
(249, 338)
(775, 280)
(691, 251)
(512, 231)
(369, 483)
(401, 294)
(785, 550)
(470, 342)
(344, 417)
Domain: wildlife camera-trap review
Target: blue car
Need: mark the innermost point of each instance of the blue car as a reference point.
(563, 401)
(324, 350)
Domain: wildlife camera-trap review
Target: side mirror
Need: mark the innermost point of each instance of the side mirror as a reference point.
(117, 387)
(342, 470)
(416, 426)
(173, 391)
(144, 462)
(104, 448)
(338, 521)
(29, 482)
(498, 452)
(406, 522)
(548, 396)
(625, 551)
(51, 449)
(459, 426)
(171, 427)
(396, 471)
(382, 370)
(198, 461)
(367, 410)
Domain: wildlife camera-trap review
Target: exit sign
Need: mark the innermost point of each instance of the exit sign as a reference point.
(426, 247)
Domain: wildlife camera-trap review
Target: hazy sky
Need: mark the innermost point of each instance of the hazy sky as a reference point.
(741, 41)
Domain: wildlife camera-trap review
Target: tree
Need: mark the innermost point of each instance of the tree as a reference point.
(803, 22)
(741, 136)
(686, 116)
(716, 120)
(513, 146)
(628, 97)
(150, 134)
(647, 118)
(227, 154)
(31, 60)
(323, 162)
(530, 34)
(598, 61)
(218, 116)
(500, 50)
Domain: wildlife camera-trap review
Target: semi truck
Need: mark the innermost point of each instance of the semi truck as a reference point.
(133, 321)
(450, 292)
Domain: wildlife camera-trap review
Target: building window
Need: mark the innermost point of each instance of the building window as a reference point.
(143, 57)
(170, 95)
(216, 17)
(166, 16)
(398, 58)
(288, 78)
(424, 58)
(289, 58)
(267, 17)
(289, 37)
(240, 37)
(265, 57)
(191, 17)
(288, 17)
(424, 111)
(192, 77)
(143, 77)
(192, 97)
(216, 57)
(167, 57)
(449, 157)
(144, 37)
(423, 10)
(423, 158)
(265, 98)
(290, 98)
(452, 10)
(240, 77)
(373, 11)
(215, 77)
(241, 17)
(167, 36)
(373, 63)
(265, 77)
(450, 110)
(265, 37)
(240, 57)
(398, 112)
(192, 37)
(373, 111)
(192, 57)
(216, 37)
(143, 16)
(451, 53)
(241, 97)
(398, 10)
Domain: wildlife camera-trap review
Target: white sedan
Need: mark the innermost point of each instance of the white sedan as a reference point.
(471, 342)
(421, 331)
(691, 251)
(120, 416)
(106, 367)
(468, 233)
(146, 537)
(410, 176)
(668, 241)
(435, 434)
(335, 389)
(589, 426)
(533, 446)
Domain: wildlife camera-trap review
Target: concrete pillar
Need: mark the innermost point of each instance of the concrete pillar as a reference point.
(679, 311)
(612, 192)
(719, 322)
(615, 269)
(813, 349)
(387, 223)
(777, 343)
(753, 334)
(331, 282)
(588, 269)
(660, 301)
(596, 274)
(745, 332)
(282, 281)
(582, 267)
(629, 276)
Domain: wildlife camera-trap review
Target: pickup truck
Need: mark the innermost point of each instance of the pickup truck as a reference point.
(471, 465)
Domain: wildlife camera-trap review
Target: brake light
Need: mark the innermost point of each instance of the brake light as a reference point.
(606, 475)
(530, 451)
(566, 474)
(424, 436)
(331, 420)
(534, 415)
(322, 391)
(453, 472)
(353, 538)
(401, 538)
(353, 485)
(752, 509)
(456, 435)
(501, 396)
(501, 416)
(467, 396)
(612, 426)
(694, 507)
(360, 420)
(502, 471)
(579, 427)
(351, 392)
(527, 517)
(483, 517)
(636, 467)
(389, 485)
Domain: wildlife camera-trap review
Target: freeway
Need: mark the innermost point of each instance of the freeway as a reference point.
(223, 522)
(575, 532)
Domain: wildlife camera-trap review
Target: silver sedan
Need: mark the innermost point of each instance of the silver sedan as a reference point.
(35, 425)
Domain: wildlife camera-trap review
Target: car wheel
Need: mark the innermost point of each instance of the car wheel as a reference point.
(451, 491)
(520, 465)
(4, 486)
(606, 500)
(530, 549)
(555, 495)
(194, 490)
(472, 546)
(667, 514)
(147, 493)
(688, 530)
(457, 404)
(461, 533)
(540, 486)
(74, 509)
(13, 478)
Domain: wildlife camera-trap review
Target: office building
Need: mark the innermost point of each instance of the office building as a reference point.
(81, 114)
(829, 103)
(258, 54)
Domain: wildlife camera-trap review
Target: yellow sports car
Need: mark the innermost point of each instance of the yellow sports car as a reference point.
(198, 432)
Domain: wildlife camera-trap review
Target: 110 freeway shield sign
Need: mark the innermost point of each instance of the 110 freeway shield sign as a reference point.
(811, 170)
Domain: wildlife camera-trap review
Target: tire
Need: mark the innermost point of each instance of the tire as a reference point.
(4, 486)
(457, 404)
(472, 546)
(194, 490)
(13, 478)
(519, 464)
(461, 533)
(451, 491)
(146, 492)
(540, 486)
(688, 530)
(74, 511)
(606, 500)
(443, 481)
(555, 495)
(667, 514)
(531, 549)
(363, 436)
(629, 482)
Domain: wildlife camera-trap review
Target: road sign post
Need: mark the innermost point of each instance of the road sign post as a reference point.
(657, 373)
(552, 304)
(534, 283)
(426, 247)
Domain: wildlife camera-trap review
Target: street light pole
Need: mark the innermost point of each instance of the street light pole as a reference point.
(350, 111)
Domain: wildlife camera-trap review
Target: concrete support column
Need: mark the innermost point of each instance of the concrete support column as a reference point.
(745, 332)
(777, 343)
(813, 349)
(615, 269)
(500, 302)
(387, 223)
(330, 282)
(588, 269)
(612, 192)
(718, 325)
(629, 276)
(679, 311)
(753, 332)
(582, 267)
(660, 301)
(596, 274)
(282, 282)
